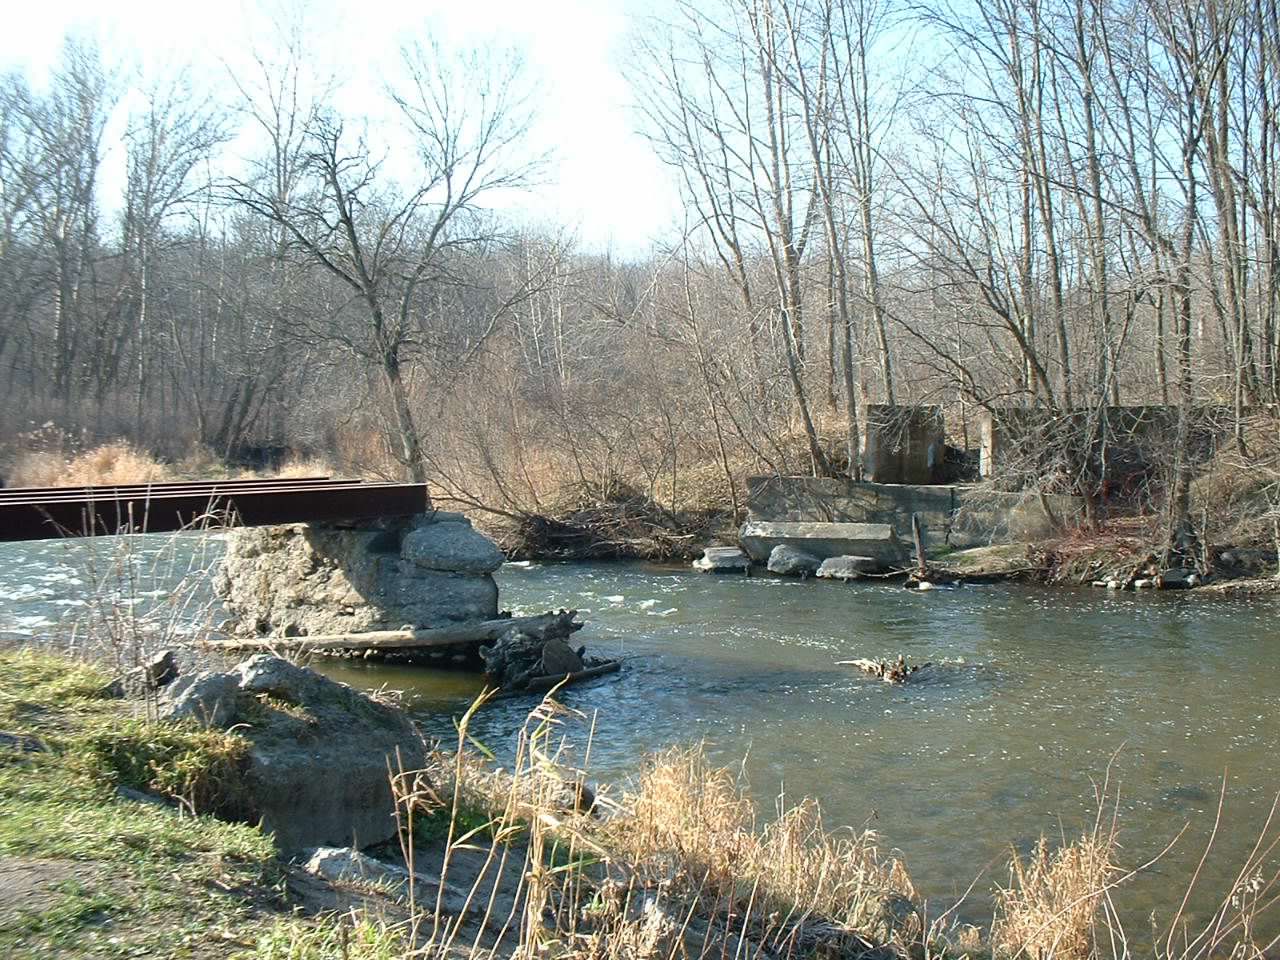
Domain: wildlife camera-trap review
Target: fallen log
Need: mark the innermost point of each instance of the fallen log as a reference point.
(544, 683)
(486, 631)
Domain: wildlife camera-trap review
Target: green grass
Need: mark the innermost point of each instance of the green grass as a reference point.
(337, 937)
(141, 879)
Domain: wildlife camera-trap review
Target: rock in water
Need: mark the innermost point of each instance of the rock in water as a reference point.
(559, 658)
(760, 537)
(1179, 578)
(317, 773)
(723, 560)
(847, 567)
(789, 561)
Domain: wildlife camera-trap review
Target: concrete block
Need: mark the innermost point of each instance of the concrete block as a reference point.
(822, 540)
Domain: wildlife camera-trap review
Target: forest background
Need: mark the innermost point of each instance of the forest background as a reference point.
(1068, 205)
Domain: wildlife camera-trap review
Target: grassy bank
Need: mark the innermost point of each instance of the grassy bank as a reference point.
(94, 863)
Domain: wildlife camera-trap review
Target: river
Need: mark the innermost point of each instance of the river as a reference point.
(1034, 694)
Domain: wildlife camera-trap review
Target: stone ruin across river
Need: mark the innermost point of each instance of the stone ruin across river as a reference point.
(962, 499)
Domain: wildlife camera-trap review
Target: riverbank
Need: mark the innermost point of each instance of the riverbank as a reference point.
(99, 859)
(105, 850)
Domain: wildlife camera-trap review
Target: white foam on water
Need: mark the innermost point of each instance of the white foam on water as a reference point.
(648, 604)
(57, 577)
(616, 598)
(32, 622)
(26, 591)
(663, 613)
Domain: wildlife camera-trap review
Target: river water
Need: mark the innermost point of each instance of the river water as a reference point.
(1034, 694)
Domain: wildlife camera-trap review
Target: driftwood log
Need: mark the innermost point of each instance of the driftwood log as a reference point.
(543, 684)
(486, 631)
(893, 671)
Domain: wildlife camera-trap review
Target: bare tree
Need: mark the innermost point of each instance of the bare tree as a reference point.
(392, 248)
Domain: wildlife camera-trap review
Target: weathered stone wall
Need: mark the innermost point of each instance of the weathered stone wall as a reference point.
(957, 516)
(306, 580)
(903, 444)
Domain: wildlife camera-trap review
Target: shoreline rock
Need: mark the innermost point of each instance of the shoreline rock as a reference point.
(847, 567)
(320, 751)
(789, 561)
(723, 560)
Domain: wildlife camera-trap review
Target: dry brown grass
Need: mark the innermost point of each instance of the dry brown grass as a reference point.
(675, 866)
(118, 462)
(692, 824)
(1051, 906)
(1237, 494)
(306, 467)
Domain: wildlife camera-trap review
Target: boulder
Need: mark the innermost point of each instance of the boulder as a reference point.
(317, 772)
(451, 545)
(1179, 578)
(345, 865)
(208, 698)
(822, 540)
(847, 567)
(723, 560)
(150, 675)
(790, 562)
(1250, 559)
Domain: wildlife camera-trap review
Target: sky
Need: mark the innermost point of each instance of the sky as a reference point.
(603, 182)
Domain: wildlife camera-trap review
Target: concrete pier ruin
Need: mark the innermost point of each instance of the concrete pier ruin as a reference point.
(954, 515)
(302, 580)
(903, 444)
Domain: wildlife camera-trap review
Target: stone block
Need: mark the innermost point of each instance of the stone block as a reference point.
(723, 560)
(822, 540)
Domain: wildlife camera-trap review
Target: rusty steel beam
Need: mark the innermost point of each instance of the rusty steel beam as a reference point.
(147, 512)
(170, 486)
(58, 495)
